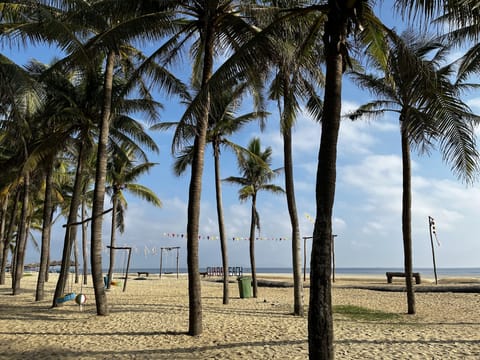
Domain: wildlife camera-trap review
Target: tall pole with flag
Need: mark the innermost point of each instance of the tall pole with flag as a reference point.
(431, 223)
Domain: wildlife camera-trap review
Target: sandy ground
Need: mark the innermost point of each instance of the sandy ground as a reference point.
(150, 320)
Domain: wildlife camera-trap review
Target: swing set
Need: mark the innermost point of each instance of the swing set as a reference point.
(167, 252)
(79, 298)
(71, 295)
(126, 263)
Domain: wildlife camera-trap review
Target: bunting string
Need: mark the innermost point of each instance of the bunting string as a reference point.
(216, 237)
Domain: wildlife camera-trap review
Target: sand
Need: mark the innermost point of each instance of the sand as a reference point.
(150, 320)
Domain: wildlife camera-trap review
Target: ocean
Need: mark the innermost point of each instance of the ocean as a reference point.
(451, 272)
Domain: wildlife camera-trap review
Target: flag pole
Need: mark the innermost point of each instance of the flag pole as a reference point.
(431, 223)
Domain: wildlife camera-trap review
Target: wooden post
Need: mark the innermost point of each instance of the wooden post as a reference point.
(431, 223)
(305, 257)
(333, 258)
(177, 262)
(161, 261)
(129, 249)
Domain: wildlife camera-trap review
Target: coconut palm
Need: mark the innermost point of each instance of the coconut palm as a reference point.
(342, 20)
(222, 122)
(16, 103)
(211, 27)
(256, 176)
(297, 74)
(20, 105)
(417, 88)
(123, 169)
(124, 130)
(91, 32)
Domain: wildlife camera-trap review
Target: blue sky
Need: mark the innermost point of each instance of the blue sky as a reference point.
(367, 212)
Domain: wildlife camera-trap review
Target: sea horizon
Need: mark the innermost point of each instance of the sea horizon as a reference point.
(443, 271)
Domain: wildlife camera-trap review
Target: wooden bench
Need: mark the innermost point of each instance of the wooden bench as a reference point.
(391, 275)
(140, 273)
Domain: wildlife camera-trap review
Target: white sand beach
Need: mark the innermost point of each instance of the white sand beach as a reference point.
(150, 320)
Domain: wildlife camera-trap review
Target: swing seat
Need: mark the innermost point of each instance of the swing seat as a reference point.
(65, 298)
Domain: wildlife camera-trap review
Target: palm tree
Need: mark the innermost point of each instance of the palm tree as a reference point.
(19, 107)
(212, 27)
(222, 123)
(17, 103)
(123, 169)
(91, 32)
(256, 176)
(430, 111)
(297, 74)
(342, 19)
(124, 130)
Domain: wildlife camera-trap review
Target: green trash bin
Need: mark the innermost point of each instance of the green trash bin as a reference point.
(245, 287)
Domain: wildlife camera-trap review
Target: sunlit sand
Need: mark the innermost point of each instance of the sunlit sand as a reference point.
(150, 320)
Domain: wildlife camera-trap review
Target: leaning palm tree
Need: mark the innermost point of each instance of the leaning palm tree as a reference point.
(123, 169)
(92, 33)
(20, 105)
(256, 176)
(430, 111)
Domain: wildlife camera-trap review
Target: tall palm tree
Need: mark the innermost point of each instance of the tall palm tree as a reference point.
(430, 111)
(222, 122)
(91, 32)
(19, 106)
(297, 74)
(212, 27)
(342, 20)
(256, 176)
(123, 169)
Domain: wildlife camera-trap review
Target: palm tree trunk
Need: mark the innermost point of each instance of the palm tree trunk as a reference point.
(22, 237)
(112, 240)
(99, 190)
(47, 269)
(84, 243)
(46, 230)
(252, 245)
(194, 287)
(320, 320)
(72, 217)
(407, 218)
(8, 236)
(195, 325)
(292, 210)
(3, 220)
(75, 251)
(221, 225)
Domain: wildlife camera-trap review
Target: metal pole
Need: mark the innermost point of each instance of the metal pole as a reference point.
(430, 223)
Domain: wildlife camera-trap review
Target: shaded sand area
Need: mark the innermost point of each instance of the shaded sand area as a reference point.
(150, 320)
